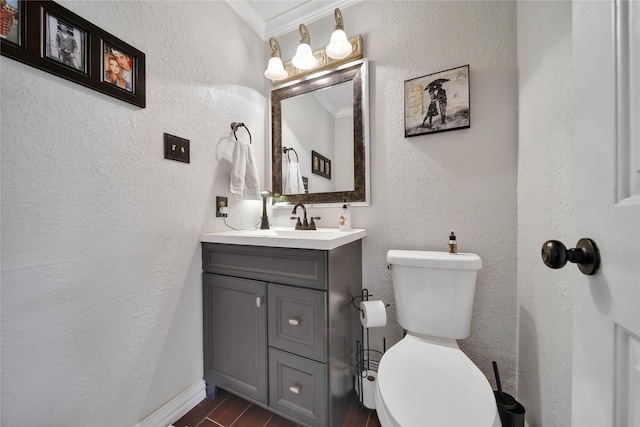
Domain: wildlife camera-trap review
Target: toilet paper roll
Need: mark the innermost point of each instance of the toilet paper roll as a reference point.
(373, 314)
(367, 394)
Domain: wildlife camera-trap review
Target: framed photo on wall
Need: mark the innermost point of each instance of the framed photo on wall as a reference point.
(119, 67)
(12, 24)
(65, 43)
(49, 37)
(437, 102)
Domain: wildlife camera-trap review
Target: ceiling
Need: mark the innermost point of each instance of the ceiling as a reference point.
(272, 18)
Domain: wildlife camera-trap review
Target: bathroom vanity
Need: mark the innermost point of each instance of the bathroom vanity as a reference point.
(279, 326)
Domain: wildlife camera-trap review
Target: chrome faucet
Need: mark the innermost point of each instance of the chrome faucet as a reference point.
(305, 225)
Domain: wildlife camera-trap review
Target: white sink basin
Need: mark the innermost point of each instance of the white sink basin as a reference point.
(322, 238)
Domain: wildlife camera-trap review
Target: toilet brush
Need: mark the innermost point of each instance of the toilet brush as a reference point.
(503, 399)
(511, 412)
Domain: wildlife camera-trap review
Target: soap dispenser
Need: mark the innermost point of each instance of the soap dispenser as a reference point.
(344, 219)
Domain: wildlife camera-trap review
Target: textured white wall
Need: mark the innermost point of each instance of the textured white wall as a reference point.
(545, 210)
(295, 133)
(343, 156)
(101, 282)
(425, 186)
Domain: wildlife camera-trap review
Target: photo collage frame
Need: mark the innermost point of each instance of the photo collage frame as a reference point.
(49, 37)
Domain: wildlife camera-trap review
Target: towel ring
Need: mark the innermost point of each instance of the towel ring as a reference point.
(235, 126)
(287, 150)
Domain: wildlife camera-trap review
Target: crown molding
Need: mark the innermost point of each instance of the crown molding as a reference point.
(305, 13)
(249, 15)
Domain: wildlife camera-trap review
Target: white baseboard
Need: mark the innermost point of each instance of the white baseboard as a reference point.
(176, 407)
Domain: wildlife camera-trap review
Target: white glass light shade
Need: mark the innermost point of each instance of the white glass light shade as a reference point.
(338, 47)
(275, 70)
(304, 59)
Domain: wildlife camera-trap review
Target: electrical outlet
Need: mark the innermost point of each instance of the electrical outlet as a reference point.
(221, 202)
(176, 148)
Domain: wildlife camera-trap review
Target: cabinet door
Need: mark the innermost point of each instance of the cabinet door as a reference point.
(235, 345)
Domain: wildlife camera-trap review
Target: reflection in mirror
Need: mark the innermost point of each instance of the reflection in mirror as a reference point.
(322, 122)
(319, 137)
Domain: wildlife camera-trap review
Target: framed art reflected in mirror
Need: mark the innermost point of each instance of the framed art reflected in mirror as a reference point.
(320, 165)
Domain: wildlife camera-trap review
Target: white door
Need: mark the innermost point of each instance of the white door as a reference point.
(606, 329)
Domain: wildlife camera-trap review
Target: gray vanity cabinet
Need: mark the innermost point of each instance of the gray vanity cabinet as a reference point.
(280, 328)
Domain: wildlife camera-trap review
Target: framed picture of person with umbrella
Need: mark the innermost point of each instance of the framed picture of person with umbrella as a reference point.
(437, 102)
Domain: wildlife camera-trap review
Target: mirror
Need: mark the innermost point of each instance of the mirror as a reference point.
(320, 144)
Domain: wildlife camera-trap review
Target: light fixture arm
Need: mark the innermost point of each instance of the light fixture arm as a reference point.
(339, 21)
(275, 48)
(304, 35)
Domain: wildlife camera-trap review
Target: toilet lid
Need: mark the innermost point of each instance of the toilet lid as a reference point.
(422, 383)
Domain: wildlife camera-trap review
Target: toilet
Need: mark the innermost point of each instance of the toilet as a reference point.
(425, 379)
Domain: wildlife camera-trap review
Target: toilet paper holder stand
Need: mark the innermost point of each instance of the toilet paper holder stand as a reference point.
(366, 359)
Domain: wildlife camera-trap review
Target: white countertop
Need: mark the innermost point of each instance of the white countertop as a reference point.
(286, 237)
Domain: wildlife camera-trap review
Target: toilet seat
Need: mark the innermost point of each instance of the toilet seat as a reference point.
(430, 382)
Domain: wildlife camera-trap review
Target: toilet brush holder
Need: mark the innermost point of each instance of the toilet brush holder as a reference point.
(511, 415)
(510, 410)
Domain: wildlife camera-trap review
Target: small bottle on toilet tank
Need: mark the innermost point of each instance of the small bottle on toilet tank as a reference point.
(453, 243)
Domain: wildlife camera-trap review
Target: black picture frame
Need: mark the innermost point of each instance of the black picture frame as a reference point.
(320, 165)
(64, 43)
(58, 41)
(12, 26)
(437, 102)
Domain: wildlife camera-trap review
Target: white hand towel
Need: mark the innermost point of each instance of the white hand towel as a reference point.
(244, 173)
(293, 182)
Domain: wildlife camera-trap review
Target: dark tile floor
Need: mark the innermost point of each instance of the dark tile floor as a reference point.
(229, 410)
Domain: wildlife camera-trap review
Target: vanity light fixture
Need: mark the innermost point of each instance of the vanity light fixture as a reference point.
(275, 70)
(339, 47)
(340, 50)
(304, 59)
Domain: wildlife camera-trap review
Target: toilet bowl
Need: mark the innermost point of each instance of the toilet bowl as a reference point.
(425, 379)
(430, 382)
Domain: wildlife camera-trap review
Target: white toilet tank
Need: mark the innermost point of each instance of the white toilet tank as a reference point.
(434, 291)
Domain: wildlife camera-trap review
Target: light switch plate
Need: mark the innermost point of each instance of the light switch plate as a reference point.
(176, 148)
